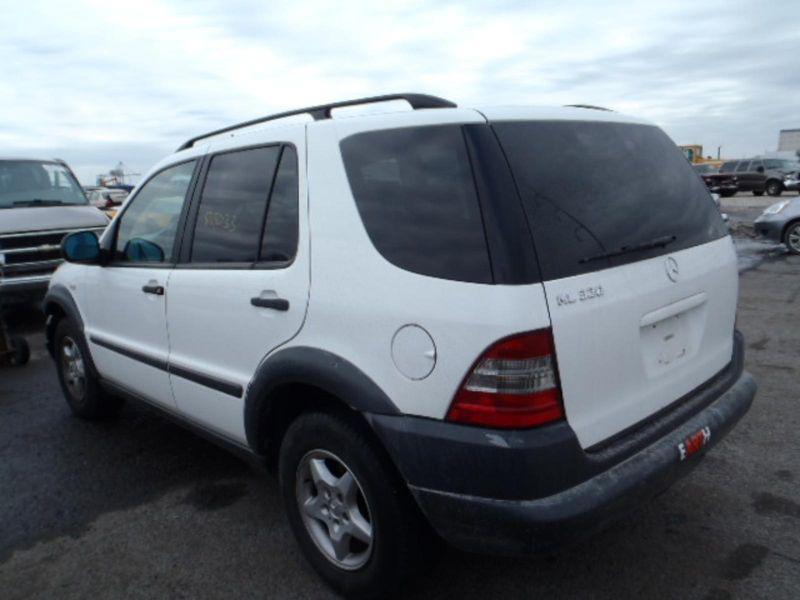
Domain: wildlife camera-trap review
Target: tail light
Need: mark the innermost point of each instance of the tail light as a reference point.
(513, 385)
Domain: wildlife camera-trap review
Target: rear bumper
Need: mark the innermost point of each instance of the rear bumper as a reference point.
(530, 491)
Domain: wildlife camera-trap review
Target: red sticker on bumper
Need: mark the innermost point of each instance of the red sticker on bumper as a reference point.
(693, 443)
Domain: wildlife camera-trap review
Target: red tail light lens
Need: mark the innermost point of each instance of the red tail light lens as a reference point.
(514, 385)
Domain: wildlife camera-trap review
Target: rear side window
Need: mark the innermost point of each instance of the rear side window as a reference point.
(596, 188)
(279, 243)
(233, 205)
(415, 192)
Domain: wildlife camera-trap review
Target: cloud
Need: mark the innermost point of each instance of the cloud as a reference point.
(96, 82)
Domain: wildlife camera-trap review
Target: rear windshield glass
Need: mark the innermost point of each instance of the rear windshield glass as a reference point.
(416, 195)
(591, 189)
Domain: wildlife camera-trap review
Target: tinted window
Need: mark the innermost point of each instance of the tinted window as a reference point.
(232, 206)
(280, 231)
(416, 195)
(728, 167)
(743, 166)
(147, 228)
(591, 188)
(755, 164)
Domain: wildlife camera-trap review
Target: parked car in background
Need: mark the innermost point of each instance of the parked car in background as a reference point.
(724, 184)
(412, 316)
(781, 223)
(759, 175)
(40, 202)
(105, 198)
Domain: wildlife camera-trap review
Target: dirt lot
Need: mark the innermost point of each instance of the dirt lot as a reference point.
(139, 508)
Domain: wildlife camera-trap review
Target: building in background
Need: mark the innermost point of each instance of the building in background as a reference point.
(789, 140)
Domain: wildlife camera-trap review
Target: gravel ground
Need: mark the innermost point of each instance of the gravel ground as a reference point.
(139, 508)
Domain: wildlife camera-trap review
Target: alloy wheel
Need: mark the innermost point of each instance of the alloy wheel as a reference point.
(334, 509)
(72, 368)
(793, 238)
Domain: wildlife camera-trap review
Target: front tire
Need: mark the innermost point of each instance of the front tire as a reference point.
(758, 192)
(351, 513)
(80, 386)
(791, 237)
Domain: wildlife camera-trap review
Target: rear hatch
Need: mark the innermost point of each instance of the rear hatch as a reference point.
(639, 272)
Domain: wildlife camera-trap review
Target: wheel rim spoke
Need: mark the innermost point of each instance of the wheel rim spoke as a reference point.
(321, 475)
(359, 528)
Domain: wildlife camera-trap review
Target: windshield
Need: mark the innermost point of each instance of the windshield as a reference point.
(37, 183)
(706, 169)
(600, 194)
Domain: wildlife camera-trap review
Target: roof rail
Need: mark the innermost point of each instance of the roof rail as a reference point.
(323, 111)
(589, 107)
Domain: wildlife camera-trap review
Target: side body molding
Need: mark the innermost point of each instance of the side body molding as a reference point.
(310, 366)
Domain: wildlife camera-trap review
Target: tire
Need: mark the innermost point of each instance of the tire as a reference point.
(728, 193)
(21, 352)
(79, 384)
(774, 187)
(758, 192)
(791, 237)
(394, 541)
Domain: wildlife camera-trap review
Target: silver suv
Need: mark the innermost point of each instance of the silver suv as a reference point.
(40, 202)
(478, 322)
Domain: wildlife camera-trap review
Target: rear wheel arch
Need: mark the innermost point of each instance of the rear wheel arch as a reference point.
(302, 379)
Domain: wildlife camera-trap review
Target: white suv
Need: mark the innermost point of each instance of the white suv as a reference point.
(506, 325)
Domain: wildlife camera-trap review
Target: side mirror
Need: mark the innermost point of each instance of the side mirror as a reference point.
(81, 247)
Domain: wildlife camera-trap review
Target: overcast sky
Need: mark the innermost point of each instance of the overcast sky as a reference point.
(98, 82)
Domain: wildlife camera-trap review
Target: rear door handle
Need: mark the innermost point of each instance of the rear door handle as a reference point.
(158, 290)
(274, 303)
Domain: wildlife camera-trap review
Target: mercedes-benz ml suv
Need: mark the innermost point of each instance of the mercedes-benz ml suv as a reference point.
(505, 325)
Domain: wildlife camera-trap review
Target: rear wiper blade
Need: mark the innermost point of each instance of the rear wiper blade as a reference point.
(38, 202)
(660, 242)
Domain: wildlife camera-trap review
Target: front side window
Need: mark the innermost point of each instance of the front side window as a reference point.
(147, 229)
(728, 167)
(232, 206)
(743, 166)
(415, 192)
(36, 183)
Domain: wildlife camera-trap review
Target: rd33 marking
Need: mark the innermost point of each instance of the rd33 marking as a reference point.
(582, 295)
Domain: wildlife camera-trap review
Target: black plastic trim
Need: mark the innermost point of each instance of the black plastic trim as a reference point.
(310, 366)
(530, 463)
(225, 387)
(534, 526)
(323, 111)
(59, 295)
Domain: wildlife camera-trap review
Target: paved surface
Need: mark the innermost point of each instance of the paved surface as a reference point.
(139, 508)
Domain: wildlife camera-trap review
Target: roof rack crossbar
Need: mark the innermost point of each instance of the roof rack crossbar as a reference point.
(323, 111)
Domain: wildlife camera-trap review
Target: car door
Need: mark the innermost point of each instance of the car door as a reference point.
(744, 176)
(757, 175)
(241, 286)
(125, 319)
